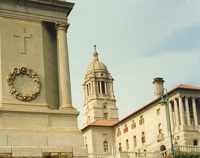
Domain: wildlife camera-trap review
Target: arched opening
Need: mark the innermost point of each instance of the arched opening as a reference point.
(160, 128)
(120, 147)
(127, 145)
(143, 137)
(163, 149)
(105, 146)
(134, 141)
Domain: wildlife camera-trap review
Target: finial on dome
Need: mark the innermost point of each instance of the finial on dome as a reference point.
(95, 53)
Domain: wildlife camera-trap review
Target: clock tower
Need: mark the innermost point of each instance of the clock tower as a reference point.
(99, 99)
(37, 118)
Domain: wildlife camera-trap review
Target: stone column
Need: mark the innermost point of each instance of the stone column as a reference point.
(176, 112)
(112, 89)
(85, 92)
(63, 67)
(187, 111)
(100, 87)
(94, 85)
(181, 111)
(105, 87)
(194, 112)
(171, 115)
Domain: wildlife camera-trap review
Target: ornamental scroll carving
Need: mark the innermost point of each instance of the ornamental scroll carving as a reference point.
(30, 73)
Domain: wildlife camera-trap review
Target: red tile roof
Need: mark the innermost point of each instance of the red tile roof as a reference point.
(103, 123)
(184, 86)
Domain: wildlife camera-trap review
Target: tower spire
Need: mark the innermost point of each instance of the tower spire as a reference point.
(95, 54)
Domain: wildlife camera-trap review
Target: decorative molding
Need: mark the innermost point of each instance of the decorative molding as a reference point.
(30, 73)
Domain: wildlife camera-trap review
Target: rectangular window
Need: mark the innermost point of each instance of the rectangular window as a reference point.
(141, 121)
(118, 132)
(125, 128)
(158, 111)
(133, 124)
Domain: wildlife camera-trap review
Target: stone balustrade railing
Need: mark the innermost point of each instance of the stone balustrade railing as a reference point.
(163, 154)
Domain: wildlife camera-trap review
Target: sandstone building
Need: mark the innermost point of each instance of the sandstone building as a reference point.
(145, 132)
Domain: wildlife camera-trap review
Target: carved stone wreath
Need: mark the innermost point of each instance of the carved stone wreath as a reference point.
(30, 73)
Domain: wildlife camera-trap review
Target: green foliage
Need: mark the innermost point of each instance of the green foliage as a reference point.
(184, 154)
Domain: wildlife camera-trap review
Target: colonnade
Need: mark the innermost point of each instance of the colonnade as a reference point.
(98, 87)
(183, 111)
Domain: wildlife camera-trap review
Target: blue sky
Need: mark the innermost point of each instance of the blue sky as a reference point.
(138, 41)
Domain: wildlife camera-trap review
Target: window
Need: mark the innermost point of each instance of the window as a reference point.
(195, 142)
(143, 137)
(118, 132)
(105, 146)
(127, 145)
(160, 128)
(120, 147)
(134, 141)
(125, 128)
(133, 124)
(141, 121)
(158, 111)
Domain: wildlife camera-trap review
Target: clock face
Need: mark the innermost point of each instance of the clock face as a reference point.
(32, 76)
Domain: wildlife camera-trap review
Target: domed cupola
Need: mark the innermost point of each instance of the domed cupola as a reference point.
(99, 96)
(96, 65)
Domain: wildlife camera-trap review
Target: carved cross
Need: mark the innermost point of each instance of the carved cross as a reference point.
(22, 35)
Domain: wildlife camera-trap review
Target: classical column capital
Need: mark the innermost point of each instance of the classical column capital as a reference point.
(62, 27)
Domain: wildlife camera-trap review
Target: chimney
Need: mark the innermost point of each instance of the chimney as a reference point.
(158, 86)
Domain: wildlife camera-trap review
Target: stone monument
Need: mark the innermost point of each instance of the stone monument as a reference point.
(37, 118)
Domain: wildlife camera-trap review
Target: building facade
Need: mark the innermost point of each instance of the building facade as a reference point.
(146, 130)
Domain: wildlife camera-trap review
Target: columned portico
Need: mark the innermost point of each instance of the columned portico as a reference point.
(63, 67)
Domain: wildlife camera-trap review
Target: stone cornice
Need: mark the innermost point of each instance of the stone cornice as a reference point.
(36, 10)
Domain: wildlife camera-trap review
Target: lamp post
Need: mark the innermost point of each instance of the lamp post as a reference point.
(164, 101)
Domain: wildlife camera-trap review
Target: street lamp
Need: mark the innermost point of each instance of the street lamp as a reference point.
(164, 101)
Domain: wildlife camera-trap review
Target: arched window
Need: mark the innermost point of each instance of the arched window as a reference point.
(195, 142)
(160, 128)
(105, 146)
(127, 145)
(134, 141)
(143, 137)
(120, 147)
